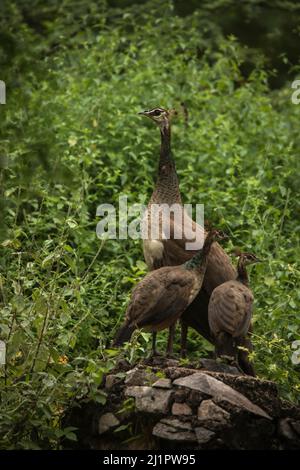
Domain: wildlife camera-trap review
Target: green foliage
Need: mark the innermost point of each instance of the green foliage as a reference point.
(71, 140)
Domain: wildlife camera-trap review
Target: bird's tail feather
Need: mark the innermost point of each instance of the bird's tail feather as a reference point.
(123, 334)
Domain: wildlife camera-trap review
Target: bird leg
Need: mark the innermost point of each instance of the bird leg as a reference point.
(154, 351)
(225, 348)
(184, 330)
(169, 351)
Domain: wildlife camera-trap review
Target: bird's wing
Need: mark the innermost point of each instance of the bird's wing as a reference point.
(161, 297)
(175, 248)
(230, 309)
(186, 231)
(219, 268)
(182, 240)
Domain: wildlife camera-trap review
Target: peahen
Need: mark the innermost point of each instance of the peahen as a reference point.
(160, 252)
(159, 299)
(230, 311)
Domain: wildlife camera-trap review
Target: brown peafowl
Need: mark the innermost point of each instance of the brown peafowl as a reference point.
(166, 252)
(230, 310)
(161, 297)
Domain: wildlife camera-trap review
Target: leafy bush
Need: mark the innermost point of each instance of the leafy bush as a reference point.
(71, 139)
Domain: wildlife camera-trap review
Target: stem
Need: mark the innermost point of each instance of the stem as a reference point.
(93, 260)
(282, 218)
(40, 341)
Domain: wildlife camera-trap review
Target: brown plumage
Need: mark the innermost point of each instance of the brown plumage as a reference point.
(167, 252)
(230, 310)
(162, 296)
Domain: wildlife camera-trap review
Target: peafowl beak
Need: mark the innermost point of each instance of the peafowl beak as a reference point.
(143, 113)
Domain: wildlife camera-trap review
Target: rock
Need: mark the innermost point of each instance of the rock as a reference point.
(161, 361)
(296, 426)
(107, 422)
(171, 362)
(181, 395)
(214, 366)
(177, 423)
(203, 435)
(181, 409)
(289, 410)
(166, 432)
(174, 430)
(261, 392)
(111, 380)
(285, 429)
(162, 383)
(138, 391)
(176, 372)
(228, 412)
(195, 398)
(150, 399)
(157, 402)
(220, 391)
(139, 376)
(208, 411)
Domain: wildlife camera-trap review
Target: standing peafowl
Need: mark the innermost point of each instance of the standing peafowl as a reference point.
(160, 251)
(230, 311)
(159, 300)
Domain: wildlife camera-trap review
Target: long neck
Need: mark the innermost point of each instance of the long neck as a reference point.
(242, 272)
(165, 145)
(199, 261)
(167, 187)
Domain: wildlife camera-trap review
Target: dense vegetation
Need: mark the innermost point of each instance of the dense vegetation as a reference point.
(71, 139)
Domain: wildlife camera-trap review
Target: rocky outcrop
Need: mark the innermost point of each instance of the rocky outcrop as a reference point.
(160, 404)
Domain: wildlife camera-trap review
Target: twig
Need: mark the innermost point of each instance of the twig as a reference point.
(282, 218)
(94, 259)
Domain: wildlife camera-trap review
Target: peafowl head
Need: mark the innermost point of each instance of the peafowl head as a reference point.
(249, 258)
(246, 258)
(160, 116)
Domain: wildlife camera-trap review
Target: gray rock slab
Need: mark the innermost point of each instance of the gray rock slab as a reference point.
(150, 399)
(296, 426)
(220, 391)
(162, 383)
(181, 409)
(215, 366)
(176, 372)
(285, 429)
(158, 401)
(177, 423)
(139, 376)
(203, 435)
(138, 391)
(209, 411)
(174, 430)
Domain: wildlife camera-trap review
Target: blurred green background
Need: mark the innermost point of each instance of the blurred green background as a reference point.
(77, 73)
